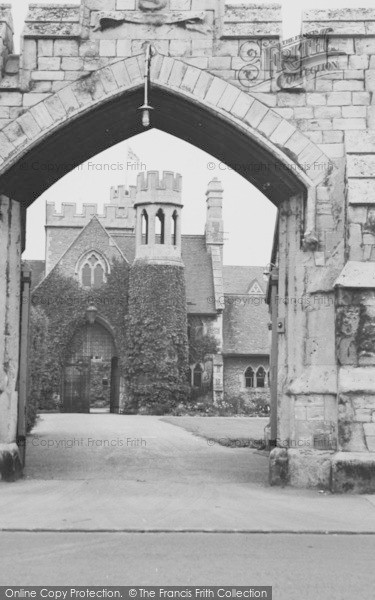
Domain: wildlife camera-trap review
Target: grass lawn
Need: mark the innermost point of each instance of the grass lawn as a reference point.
(239, 432)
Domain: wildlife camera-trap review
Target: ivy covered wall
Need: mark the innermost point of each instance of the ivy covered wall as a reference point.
(63, 303)
(157, 342)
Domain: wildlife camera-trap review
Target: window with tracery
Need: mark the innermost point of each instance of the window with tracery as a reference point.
(249, 378)
(93, 271)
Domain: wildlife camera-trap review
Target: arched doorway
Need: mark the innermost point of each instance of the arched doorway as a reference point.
(90, 379)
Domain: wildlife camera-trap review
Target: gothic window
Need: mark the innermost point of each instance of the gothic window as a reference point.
(174, 228)
(160, 227)
(197, 376)
(144, 228)
(249, 378)
(261, 377)
(92, 270)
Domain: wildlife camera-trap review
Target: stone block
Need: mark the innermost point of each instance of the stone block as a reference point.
(226, 48)
(41, 87)
(353, 472)
(29, 55)
(327, 112)
(55, 108)
(219, 62)
(101, 4)
(333, 137)
(333, 150)
(47, 75)
(304, 112)
(287, 99)
(190, 79)
(200, 62)
(42, 116)
(228, 98)
(179, 47)
(123, 48)
(282, 133)
(49, 63)
(68, 99)
(29, 125)
(352, 112)
(361, 191)
(354, 74)
(316, 99)
(215, 91)
(107, 48)
(364, 45)
(269, 123)
(201, 47)
(180, 4)
(360, 141)
(346, 124)
(90, 49)
(121, 74)
(370, 81)
(323, 85)
(10, 99)
(350, 85)
(255, 114)
(65, 48)
(126, 4)
(309, 468)
(241, 106)
(31, 99)
(14, 134)
(45, 48)
(358, 61)
(72, 63)
(361, 165)
(339, 99)
(4, 112)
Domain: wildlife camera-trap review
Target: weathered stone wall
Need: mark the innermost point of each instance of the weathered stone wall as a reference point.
(10, 274)
(234, 379)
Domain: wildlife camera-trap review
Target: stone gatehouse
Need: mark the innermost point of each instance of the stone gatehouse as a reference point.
(295, 118)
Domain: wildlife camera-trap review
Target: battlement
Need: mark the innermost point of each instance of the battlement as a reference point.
(153, 189)
(114, 215)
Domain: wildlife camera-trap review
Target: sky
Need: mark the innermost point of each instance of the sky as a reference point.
(249, 218)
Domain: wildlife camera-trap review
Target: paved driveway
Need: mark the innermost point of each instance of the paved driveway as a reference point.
(105, 472)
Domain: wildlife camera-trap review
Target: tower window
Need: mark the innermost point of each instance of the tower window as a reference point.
(174, 228)
(160, 227)
(249, 378)
(144, 228)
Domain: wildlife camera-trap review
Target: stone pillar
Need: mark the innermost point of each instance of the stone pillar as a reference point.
(10, 293)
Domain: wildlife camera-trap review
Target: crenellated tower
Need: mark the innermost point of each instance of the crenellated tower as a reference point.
(158, 210)
(157, 345)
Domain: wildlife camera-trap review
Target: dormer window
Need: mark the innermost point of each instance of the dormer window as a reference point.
(92, 270)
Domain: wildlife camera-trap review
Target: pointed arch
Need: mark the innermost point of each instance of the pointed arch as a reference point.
(194, 105)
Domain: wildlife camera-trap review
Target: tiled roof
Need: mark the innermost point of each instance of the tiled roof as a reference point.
(245, 319)
(198, 270)
(37, 268)
(237, 280)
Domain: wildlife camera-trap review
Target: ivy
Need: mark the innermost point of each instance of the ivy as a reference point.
(157, 344)
(63, 303)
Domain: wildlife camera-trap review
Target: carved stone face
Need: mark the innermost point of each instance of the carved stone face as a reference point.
(152, 5)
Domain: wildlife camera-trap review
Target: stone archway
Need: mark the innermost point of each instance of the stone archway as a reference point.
(309, 177)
